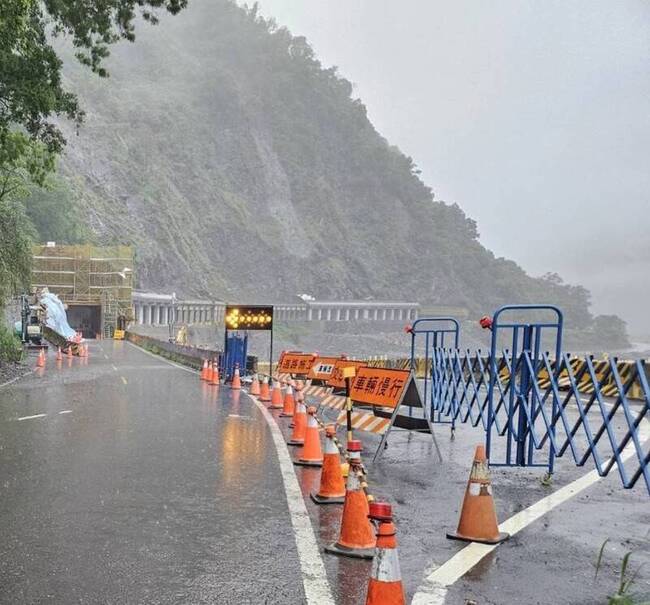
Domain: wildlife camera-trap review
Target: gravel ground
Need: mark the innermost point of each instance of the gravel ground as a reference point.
(9, 371)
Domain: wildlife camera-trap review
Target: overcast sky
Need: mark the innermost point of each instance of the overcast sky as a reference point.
(533, 116)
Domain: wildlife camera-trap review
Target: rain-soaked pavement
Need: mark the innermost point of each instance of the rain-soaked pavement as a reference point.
(151, 487)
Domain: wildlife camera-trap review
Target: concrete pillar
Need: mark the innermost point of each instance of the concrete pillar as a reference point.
(309, 310)
(375, 314)
(140, 313)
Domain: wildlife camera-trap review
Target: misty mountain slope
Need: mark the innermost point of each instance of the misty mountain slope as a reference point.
(242, 169)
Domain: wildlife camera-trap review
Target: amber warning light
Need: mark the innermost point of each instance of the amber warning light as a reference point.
(249, 318)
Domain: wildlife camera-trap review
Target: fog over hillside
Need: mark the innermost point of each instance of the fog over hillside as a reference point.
(533, 116)
(238, 164)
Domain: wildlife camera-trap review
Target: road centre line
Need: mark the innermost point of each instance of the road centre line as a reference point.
(123, 379)
(65, 412)
(314, 577)
(32, 417)
(114, 367)
(434, 588)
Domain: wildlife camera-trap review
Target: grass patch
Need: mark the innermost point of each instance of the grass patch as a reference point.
(11, 349)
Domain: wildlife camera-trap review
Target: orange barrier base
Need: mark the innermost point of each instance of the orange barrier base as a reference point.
(300, 462)
(326, 500)
(503, 536)
(355, 553)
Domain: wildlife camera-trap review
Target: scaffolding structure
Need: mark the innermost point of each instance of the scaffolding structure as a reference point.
(87, 275)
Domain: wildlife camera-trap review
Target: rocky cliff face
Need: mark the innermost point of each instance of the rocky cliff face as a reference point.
(240, 168)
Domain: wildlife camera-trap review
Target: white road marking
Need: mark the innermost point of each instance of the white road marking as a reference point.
(123, 379)
(314, 578)
(434, 588)
(65, 412)
(106, 356)
(114, 367)
(238, 416)
(31, 417)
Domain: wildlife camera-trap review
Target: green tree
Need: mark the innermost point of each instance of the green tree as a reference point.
(32, 96)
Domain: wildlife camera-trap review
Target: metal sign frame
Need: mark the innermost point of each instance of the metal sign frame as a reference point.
(270, 329)
(410, 398)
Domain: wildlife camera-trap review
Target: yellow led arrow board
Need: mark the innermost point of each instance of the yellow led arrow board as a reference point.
(239, 317)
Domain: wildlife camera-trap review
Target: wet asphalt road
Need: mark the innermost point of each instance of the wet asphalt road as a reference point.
(154, 488)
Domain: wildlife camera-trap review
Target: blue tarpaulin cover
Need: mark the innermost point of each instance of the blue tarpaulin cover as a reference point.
(55, 315)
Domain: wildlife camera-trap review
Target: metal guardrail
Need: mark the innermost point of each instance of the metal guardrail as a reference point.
(609, 387)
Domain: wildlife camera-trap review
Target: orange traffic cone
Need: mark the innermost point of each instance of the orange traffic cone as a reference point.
(214, 374)
(203, 375)
(357, 538)
(255, 386)
(332, 486)
(236, 380)
(59, 355)
(276, 396)
(311, 453)
(385, 585)
(40, 360)
(478, 518)
(265, 393)
(289, 403)
(299, 424)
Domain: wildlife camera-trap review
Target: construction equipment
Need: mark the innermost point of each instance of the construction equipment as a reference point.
(30, 329)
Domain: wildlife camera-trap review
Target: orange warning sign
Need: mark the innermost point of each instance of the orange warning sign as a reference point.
(378, 386)
(336, 379)
(322, 368)
(296, 363)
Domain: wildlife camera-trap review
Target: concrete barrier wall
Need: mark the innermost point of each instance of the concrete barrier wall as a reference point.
(192, 357)
(188, 356)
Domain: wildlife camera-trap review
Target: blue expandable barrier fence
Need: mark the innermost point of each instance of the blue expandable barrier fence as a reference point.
(535, 407)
